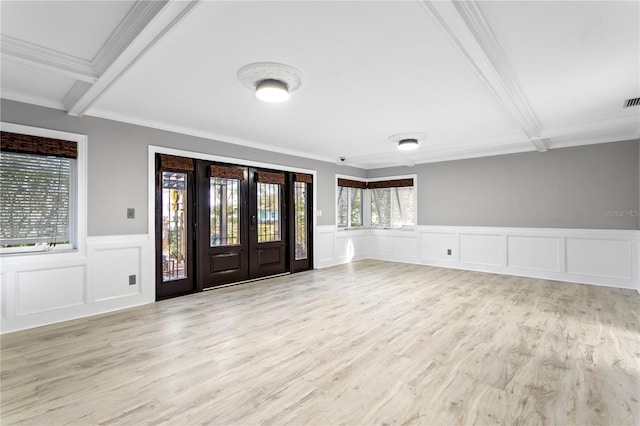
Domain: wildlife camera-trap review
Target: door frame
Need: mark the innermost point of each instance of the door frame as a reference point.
(153, 150)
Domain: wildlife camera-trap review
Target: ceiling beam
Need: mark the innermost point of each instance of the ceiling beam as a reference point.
(467, 28)
(145, 24)
(43, 58)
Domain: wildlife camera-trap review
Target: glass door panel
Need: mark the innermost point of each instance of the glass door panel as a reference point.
(224, 212)
(268, 213)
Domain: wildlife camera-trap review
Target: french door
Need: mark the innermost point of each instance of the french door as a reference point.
(242, 216)
(218, 224)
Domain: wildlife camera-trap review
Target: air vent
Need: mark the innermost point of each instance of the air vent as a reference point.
(631, 102)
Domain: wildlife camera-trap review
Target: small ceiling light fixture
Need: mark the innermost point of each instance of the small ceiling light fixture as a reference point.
(271, 90)
(408, 141)
(407, 144)
(272, 82)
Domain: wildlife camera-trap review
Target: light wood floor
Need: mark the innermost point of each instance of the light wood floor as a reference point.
(367, 343)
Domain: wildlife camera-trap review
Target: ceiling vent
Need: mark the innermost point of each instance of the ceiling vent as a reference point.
(631, 102)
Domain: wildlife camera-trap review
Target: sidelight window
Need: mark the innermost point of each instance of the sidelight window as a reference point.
(301, 220)
(174, 225)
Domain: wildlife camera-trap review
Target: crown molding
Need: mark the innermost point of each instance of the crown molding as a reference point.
(139, 31)
(626, 125)
(108, 115)
(467, 28)
(46, 59)
(30, 99)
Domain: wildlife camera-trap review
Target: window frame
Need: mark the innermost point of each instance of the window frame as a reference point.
(363, 200)
(366, 200)
(77, 199)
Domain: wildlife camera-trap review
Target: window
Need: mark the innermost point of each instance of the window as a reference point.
(380, 203)
(174, 225)
(38, 185)
(224, 212)
(392, 207)
(269, 187)
(392, 203)
(349, 203)
(268, 212)
(301, 219)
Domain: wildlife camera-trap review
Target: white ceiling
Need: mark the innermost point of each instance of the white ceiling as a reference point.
(480, 78)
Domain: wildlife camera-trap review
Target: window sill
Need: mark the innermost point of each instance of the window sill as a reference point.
(376, 228)
(32, 251)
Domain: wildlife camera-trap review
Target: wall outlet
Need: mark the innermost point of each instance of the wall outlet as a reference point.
(449, 252)
(131, 213)
(132, 280)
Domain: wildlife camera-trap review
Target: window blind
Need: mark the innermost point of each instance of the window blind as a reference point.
(395, 183)
(268, 177)
(35, 201)
(348, 183)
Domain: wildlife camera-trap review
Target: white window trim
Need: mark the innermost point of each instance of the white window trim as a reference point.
(78, 221)
(365, 223)
(366, 200)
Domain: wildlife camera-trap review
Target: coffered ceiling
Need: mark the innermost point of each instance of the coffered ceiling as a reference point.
(480, 78)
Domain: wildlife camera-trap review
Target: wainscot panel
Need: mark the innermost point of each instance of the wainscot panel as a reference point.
(600, 257)
(42, 289)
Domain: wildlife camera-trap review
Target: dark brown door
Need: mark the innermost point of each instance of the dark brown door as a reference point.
(267, 223)
(175, 200)
(223, 219)
(300, 222)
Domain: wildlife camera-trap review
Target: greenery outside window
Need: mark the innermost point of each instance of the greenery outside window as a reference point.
(392, 207)
(388, 203)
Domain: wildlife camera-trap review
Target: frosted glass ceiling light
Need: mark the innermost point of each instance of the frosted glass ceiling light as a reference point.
(408, 141)
(272, 82)
(271, 90)
(407, 144)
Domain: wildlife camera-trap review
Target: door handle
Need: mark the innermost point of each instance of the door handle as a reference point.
(253, 220)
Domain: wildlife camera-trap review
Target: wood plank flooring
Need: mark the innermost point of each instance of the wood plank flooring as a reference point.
(366, 343)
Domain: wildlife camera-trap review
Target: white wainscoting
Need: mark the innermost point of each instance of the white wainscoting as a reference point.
(49, 288)
(601, 257)
(340, 246)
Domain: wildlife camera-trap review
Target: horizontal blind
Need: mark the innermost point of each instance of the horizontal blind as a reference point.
(35, 199)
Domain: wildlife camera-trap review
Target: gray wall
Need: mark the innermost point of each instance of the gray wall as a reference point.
(117, 164)
(560, 188)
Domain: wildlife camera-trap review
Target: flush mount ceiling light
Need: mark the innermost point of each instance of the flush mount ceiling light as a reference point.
(272, 82)
(408, 144)
(407, 141)
(270, 90)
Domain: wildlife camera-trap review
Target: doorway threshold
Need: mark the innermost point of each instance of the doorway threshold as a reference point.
(245, 281)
